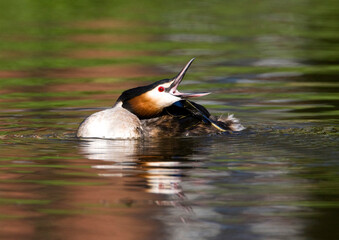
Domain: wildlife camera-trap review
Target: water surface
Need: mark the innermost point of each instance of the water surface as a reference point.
(273, 64)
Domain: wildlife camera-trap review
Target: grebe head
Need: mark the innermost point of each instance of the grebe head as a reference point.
(148, 101)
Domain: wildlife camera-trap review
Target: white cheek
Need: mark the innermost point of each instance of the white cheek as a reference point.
(162, 99)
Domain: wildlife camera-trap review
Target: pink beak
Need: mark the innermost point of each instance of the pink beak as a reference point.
(177, 80)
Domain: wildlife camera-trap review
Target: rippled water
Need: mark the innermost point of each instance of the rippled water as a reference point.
(273, 64)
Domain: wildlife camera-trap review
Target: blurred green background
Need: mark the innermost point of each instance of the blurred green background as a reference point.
(274, 64)
(283, 54)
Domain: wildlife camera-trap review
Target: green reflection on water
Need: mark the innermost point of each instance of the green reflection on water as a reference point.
(55, 182)
(275, 64)
(23, 201)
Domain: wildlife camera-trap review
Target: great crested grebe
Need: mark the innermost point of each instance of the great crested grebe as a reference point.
(158, 109)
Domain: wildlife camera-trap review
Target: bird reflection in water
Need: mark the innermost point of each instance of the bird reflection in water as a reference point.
(161, 163)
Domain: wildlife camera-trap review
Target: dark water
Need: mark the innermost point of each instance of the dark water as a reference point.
(274, 64)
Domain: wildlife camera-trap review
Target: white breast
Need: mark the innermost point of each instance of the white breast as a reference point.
(112, 123)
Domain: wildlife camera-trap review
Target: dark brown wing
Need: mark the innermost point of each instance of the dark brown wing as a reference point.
(186, 108)
(186, 118)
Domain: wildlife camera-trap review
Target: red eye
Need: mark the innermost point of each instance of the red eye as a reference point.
(161, 89)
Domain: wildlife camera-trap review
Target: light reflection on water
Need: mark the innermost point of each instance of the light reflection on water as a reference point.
(205, 193)
(249, 185)
(274, 65)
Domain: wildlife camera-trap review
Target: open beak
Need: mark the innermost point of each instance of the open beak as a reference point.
(177, 80)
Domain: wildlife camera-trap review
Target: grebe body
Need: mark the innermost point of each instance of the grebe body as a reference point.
(157, 109)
